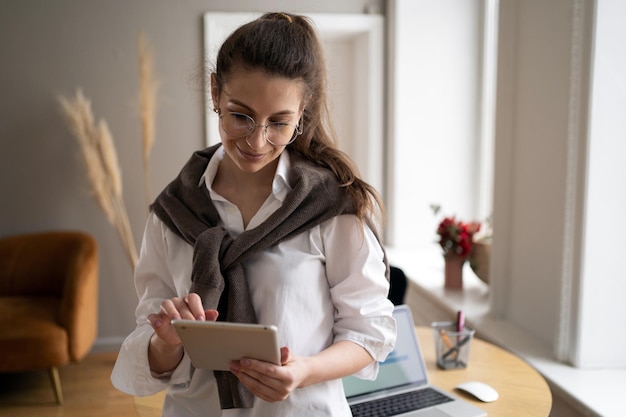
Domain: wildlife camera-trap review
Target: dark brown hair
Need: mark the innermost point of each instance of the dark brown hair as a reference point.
(287, 45)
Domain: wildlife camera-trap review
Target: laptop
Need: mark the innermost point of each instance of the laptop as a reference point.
(402, 388)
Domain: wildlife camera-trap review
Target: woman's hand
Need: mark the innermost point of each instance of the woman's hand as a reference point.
(268, 381)
(274, 382)
(165, 350)
(188, 307)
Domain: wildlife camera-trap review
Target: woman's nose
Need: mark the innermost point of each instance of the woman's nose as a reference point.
(257, 139)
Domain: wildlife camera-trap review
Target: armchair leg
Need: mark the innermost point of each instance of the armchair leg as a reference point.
(53, 373)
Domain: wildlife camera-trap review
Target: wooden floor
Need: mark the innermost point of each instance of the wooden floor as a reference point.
(87, 392)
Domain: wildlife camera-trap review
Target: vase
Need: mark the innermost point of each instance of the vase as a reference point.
(479, 259)
(453, 272)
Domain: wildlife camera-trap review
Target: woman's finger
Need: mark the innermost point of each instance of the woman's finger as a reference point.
(285, 355)
(177, 308)
(262, 386)
(211, 315)
(194, 304)
(163, 328)
(169, 310)
(264, 378)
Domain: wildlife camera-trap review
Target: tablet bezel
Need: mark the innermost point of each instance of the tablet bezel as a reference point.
(214, 344)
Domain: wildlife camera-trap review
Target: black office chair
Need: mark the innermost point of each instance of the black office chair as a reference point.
(397, 285)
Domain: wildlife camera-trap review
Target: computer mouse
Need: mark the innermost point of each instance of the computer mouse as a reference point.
(479, 390)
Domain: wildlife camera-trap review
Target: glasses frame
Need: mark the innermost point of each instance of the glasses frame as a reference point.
(253, 125)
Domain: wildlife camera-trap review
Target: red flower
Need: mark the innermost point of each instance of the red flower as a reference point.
(455, 237)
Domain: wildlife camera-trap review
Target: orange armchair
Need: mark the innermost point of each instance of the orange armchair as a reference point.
(48, 301)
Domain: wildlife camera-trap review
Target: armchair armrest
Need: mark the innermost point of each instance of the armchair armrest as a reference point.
(78, 311)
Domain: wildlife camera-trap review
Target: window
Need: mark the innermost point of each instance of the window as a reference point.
(441, 117)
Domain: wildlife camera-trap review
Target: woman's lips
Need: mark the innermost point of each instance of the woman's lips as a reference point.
(250, 156)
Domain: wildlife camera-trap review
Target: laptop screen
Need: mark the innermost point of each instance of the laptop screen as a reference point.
(404, 365)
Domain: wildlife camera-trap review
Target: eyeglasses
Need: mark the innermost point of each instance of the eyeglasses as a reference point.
(239, 125)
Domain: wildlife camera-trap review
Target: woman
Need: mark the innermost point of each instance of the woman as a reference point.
(271, 226)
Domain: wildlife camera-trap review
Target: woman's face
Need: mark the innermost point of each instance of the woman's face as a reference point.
(265, 99)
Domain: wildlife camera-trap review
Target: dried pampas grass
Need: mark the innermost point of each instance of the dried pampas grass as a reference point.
(98, 149)
(148, 89)
(101, 165)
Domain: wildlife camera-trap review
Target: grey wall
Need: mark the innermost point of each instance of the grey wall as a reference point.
(49, 48)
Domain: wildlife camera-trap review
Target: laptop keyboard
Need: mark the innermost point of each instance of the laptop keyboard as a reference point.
(398, 404)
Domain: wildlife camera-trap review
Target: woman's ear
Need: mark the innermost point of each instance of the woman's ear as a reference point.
(305, 102)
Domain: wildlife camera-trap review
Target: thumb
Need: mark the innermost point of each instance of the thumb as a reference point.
(155, 320)
(285, 355)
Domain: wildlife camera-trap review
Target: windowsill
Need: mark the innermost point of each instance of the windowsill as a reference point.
(591, 391)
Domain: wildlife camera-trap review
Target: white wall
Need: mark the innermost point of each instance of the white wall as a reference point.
(434, 116)
(603, 286)
(53, 47)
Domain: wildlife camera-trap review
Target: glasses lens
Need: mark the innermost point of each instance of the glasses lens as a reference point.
(280, 133)
(237, 124)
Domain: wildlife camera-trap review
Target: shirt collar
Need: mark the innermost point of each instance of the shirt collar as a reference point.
(280, 184)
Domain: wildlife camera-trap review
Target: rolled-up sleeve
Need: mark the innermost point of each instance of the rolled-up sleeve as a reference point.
(359, 289)
(131, 373)
(154, 283)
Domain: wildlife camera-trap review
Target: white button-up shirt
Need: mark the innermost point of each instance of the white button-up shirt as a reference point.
(324, 285)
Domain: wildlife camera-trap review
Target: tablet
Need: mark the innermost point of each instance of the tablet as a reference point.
(214, 344)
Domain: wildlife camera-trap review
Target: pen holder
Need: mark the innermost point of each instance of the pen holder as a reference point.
(452, 346)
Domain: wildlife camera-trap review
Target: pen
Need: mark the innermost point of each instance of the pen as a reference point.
(460, 322)
(457, 347)
(446, 340)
